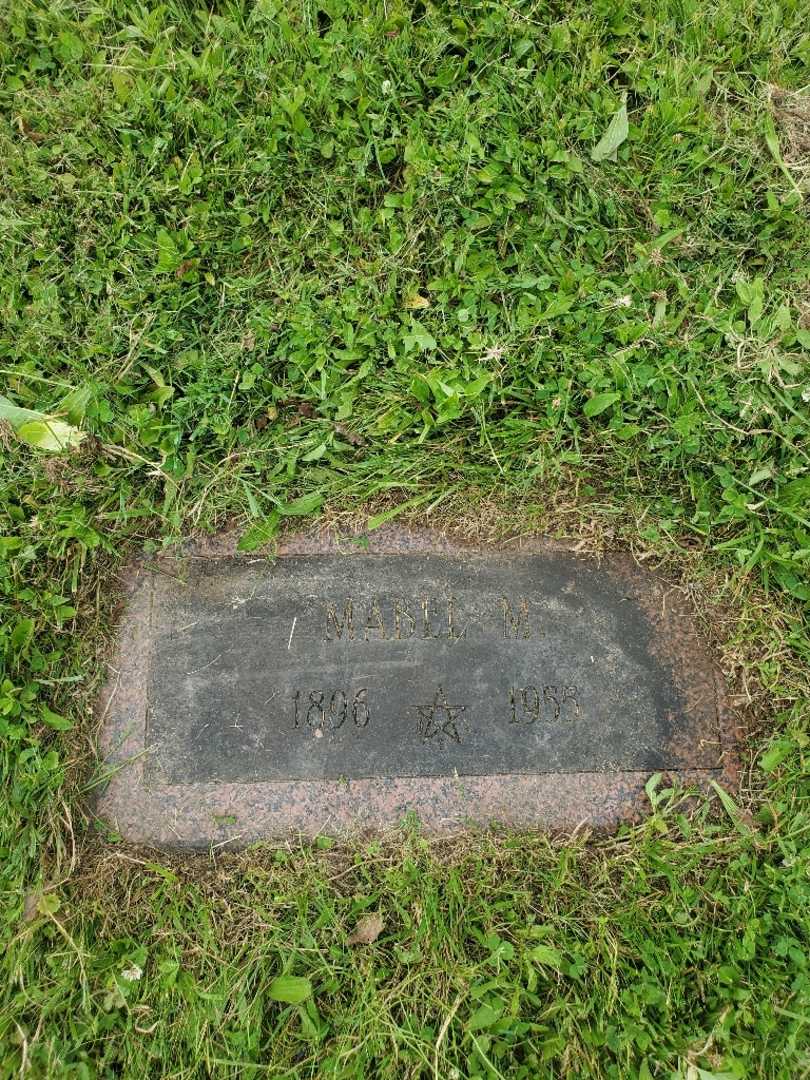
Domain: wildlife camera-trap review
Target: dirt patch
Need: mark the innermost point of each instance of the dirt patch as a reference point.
(791, 113)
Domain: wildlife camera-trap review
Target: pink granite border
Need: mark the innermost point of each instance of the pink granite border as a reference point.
(198, 815)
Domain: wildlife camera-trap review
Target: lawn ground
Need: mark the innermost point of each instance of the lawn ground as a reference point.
(489, 266)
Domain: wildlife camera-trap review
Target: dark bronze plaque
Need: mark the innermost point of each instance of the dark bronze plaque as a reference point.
(356, 684)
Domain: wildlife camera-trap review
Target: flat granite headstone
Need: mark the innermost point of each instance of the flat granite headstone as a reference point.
(348, 682)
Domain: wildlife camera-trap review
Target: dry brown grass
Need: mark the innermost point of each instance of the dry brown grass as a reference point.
(791, 110)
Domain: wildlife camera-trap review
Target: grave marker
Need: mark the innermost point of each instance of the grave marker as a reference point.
(340, 687)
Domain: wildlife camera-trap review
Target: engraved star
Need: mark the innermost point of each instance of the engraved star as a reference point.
(439, 718)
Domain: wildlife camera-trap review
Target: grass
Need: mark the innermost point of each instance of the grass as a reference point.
(275, 260)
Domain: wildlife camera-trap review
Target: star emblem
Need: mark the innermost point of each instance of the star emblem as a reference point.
(439, 718)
